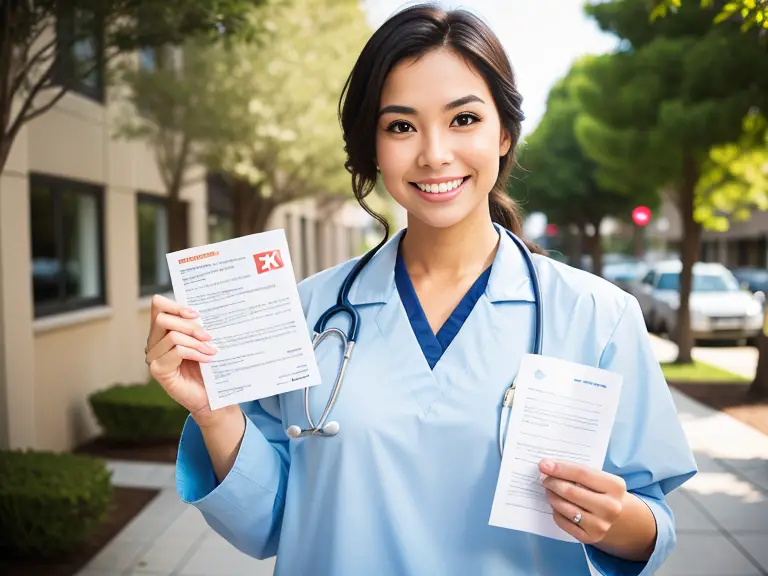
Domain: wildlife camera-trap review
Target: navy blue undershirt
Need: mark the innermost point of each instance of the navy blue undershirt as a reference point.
(433, 346)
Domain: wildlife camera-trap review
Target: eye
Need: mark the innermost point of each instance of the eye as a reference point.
(465, 119)
(399, 127)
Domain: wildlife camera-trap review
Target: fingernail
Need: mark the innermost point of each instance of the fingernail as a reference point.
(202, 335)
(547, 465)
(191, 313)
(542, 477)
(211, 348)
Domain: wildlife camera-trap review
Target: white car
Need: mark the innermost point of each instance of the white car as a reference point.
(720, 308)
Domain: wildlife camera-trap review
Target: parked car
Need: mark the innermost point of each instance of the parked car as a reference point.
(625, 273)
(720, 308)
(753, 279)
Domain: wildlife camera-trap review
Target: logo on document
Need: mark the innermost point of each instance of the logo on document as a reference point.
(268, 261)
(539, 375)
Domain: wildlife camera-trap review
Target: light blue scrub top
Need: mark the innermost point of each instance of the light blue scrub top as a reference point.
(407, 485)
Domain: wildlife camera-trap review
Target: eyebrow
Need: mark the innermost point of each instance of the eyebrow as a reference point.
(395, 109)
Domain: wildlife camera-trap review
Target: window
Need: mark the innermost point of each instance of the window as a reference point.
(66, 220)
(701, 282)
(79, 46)
(154, 244)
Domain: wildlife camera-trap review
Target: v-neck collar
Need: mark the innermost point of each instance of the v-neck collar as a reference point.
(434, 345)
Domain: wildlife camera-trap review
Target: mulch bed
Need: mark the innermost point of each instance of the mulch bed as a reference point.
(731, 399)
(126, 504)
(163, 452)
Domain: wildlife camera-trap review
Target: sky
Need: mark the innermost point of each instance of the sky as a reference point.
(542, 39)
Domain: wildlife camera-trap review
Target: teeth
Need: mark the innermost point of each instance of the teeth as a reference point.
(439, 188)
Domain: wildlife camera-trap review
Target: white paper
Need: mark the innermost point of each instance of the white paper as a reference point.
(245, 291)
(562, 411)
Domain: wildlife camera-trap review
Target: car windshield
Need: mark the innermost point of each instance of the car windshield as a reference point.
(701, 282)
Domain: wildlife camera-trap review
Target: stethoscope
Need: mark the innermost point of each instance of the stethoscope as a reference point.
(343, 305)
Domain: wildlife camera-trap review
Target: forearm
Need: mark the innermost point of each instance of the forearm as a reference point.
(633, 534)
(222, 436)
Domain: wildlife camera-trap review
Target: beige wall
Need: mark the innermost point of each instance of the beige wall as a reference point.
(50, 365)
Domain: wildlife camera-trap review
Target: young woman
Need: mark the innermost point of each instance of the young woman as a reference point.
(446, 313)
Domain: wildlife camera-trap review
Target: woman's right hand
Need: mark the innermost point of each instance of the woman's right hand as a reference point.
(175, 347)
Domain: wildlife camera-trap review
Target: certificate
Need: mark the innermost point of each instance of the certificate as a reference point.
(245, 291)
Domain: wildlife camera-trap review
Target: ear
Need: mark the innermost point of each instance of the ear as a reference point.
(505, 143)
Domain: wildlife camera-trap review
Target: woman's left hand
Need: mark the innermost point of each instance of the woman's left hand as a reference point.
(593, 497)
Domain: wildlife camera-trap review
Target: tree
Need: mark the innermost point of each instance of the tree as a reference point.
(749, 12)
(180, 103)
(562, 181)
(678, 87)
(288, 143)
(37, 68)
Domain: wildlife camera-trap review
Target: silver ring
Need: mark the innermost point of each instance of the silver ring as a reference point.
(577, 518)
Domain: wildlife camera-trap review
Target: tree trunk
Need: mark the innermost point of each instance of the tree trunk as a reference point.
(177, 225)
(690, 246)
(575, 247)
(596, 250)
(242, 200)
(759, 387)
(263, 208)
(638, 238)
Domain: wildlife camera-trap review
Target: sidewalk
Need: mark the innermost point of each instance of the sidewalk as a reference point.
(722, 513)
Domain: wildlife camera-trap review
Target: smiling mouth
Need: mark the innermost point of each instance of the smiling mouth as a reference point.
(441, 188)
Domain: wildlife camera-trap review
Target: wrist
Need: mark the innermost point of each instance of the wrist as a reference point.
(209, 419)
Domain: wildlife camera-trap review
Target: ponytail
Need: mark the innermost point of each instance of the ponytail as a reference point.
(504, 212)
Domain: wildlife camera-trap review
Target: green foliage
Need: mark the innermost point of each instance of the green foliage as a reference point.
(680, 88)
(751, 13)
(735, 178)
(50, 503)
(560, 179)
(138, 412)
(98, 31)
(290, 142)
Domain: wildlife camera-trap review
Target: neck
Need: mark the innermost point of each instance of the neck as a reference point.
(466, 248)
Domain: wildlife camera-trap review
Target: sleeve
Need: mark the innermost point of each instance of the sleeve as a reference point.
(246, 508)
(648, 447)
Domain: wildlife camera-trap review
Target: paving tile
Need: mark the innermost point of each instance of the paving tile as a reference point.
(165, 555)
(117, 556)
(688, 517)
(756, 543)
(734, 503)
(217, 557)
(706, 555)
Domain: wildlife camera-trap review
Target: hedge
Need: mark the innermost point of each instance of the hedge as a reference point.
(50, 503)
(138, 412)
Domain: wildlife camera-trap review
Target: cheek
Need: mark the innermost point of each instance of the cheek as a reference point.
(481, 153)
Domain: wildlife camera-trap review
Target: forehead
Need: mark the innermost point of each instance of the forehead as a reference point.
(438, 77)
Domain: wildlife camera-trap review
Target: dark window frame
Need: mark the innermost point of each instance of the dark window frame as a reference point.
(150, 289)
(56, 185)
(64, 71)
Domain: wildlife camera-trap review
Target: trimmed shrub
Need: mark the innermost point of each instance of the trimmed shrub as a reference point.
(138, 413)
(50, 503)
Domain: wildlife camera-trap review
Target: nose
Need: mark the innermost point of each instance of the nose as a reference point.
(436, 151)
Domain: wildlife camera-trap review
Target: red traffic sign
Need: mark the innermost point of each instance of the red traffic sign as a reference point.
(641, 215)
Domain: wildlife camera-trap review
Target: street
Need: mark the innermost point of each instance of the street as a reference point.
(739, 360)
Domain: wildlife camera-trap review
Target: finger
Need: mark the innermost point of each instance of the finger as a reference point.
(163, 305)
(178, 339)
(573, 529)
(169, 363)
(165, 323)
(589, 523)
(595, 480)
(599, 504)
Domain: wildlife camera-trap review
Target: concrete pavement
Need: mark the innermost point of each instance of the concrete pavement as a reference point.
(739, 360)
(721, 514)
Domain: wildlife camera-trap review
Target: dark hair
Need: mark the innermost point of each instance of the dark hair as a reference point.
(409, 34)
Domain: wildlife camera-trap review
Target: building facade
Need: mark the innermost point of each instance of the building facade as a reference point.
(83, 238)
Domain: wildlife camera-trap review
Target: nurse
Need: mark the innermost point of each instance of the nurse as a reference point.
(446, 310)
